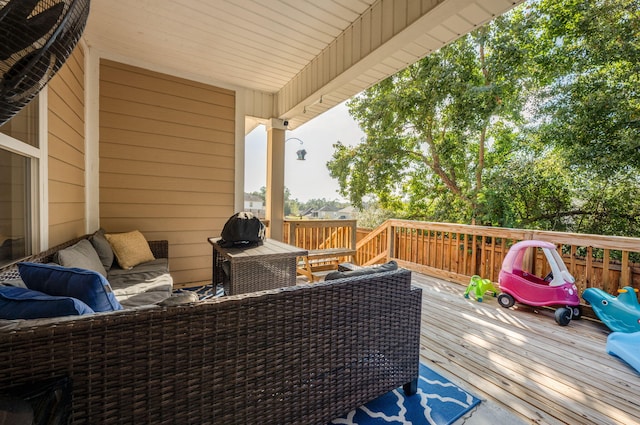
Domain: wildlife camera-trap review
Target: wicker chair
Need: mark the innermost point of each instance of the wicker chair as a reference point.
(296, 355)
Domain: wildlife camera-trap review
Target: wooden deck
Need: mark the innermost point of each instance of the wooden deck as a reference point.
(523, 361)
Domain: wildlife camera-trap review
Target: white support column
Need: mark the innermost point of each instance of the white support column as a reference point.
(42, 175)
(275, 178)
(92, 138)
(238, 201)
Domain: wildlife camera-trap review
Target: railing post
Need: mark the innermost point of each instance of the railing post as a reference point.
(390, 242)
(625, 270)
(474, 254)
(287, 226)
(588, 269)
(605, 270)
(354, 234)
(292, 234)
(529, 260)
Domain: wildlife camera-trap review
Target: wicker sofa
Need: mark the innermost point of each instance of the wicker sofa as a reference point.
(296, 355)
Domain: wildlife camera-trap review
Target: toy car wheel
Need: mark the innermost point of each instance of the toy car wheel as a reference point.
(506, 300)
(563, 316)
(577, 312)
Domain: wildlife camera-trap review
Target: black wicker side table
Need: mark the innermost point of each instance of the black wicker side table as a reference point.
(257, 268)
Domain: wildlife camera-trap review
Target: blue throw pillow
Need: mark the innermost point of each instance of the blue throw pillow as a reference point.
(86, 285)
(22, 303)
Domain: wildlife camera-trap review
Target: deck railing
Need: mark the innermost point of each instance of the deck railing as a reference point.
(456, 252)
(320, 234)
(328, 242)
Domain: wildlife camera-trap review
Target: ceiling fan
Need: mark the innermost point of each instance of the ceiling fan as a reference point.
(36, 38)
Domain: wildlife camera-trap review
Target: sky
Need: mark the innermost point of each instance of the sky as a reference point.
(308, 179)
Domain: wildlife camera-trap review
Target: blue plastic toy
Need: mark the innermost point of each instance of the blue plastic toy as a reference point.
(625, 346)
(621, 313)
(479, 287)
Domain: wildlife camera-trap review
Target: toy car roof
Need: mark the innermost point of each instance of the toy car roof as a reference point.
(533, 243)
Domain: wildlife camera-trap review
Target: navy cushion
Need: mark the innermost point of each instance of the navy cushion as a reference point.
(22, 303)
(390, 266)
(86, 285)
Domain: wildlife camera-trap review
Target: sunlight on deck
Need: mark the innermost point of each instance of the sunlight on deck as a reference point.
(522, 361)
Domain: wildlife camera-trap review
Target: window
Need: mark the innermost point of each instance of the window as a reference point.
(24, 125)
(14, 206)
(18, 165)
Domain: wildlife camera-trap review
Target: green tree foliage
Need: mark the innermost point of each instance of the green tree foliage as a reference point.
(594, 96)
(291, 206)
(372, 216)
(428, 128)
(319, 203)
(531, 121)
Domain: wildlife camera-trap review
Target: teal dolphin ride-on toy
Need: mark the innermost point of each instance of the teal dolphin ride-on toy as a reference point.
(621, 313)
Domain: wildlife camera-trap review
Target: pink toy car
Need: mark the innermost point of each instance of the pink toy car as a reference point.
(556, 289)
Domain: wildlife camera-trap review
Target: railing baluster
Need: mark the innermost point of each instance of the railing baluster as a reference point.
(465, 255)
(473, 254)
(625, 271)
(492, 262)
(606, 279)
(588, 272)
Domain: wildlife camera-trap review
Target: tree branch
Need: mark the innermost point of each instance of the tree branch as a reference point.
(435, 165)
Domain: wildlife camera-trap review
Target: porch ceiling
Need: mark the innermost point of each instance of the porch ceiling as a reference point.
(284, 55)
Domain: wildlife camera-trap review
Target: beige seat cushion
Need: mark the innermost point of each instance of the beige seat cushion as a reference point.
(130, 248)
(146, 283)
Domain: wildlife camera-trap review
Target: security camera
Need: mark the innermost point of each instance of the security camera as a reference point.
(279, 123)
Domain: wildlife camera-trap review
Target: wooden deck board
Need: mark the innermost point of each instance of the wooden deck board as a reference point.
(522, 360)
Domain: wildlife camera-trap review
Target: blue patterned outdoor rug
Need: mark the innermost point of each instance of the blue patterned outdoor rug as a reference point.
(437, 402)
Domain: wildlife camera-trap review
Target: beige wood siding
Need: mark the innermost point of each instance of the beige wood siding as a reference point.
(67, 151)
(166, 162)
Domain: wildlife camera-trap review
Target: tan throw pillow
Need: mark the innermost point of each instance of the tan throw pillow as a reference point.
(130, 248)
